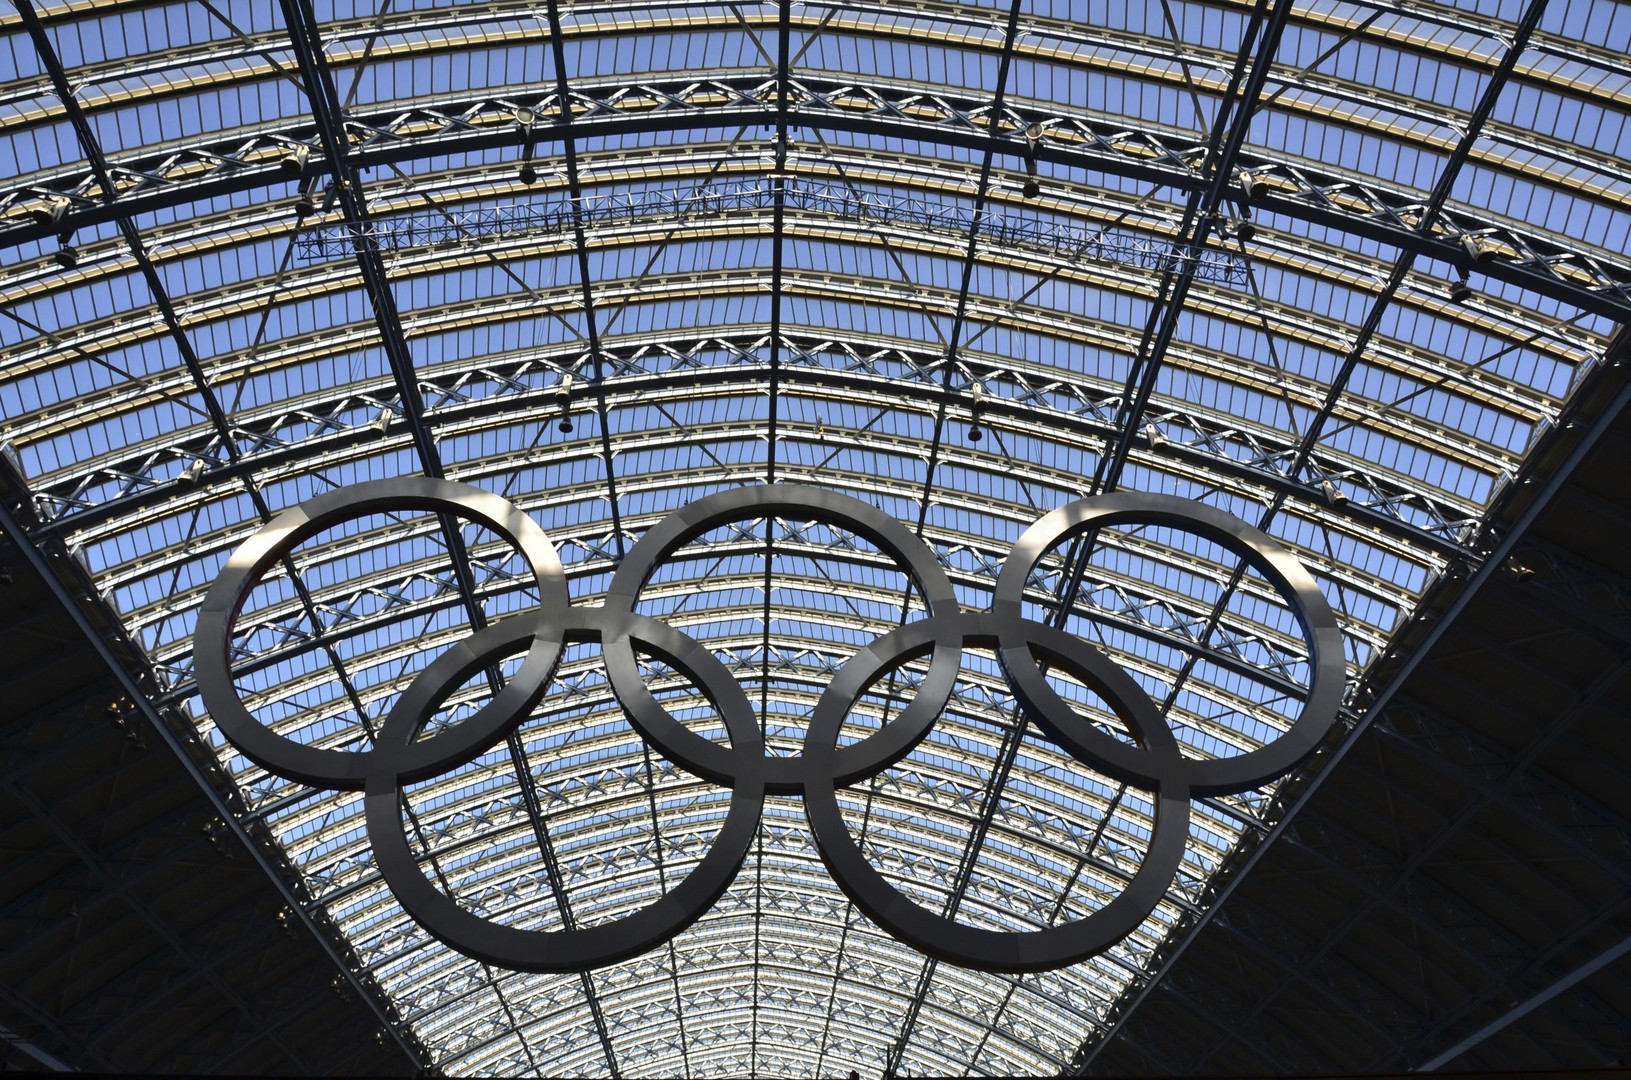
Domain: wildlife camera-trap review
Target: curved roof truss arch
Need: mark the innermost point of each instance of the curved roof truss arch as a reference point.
(1335, 267)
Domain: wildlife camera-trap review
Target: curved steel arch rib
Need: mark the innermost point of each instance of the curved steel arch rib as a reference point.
(1299, 189)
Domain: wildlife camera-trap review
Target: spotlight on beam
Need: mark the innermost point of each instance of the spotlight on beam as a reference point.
(294, 162)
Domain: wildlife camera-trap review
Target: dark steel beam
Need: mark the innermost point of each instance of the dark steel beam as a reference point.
(18, 1007)
(223, 437)
(1400, 665)
(1518, 1012)
(897, 1051)
(214, 788)
(329, 114)
(10, 1038)
(1200, 219)
(569, 150)
(111, 886)
(1428, 748)
(925, 396)
(778, 252)
(1588, 281)
(19, 533)
(1587, 592)
(1425, 225)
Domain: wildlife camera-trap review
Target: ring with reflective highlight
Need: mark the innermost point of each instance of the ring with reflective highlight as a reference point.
(1151, 762)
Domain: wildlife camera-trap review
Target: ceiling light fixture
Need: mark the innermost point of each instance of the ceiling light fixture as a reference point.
(54, 214)
(563, 401)
(295, 161)
(1033, 140)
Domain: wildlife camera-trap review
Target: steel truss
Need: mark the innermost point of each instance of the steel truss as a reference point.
(842, 202)
(1584, 279)
(338, 429)
(149, 482)
(1257, 452)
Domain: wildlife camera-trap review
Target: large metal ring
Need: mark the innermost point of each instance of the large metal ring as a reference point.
(1152, 761)
(1218, 776)
(786, 775)
(348, 770)
(578, 948)
(941, 935)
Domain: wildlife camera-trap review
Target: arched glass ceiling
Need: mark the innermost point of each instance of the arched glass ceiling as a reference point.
(256, 252)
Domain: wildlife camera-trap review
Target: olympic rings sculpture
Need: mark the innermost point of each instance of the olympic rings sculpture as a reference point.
(398, 756)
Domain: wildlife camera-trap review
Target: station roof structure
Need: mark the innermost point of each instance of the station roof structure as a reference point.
(1350, 271)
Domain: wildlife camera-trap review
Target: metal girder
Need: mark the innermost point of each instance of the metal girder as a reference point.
(1012, 737)
(569, 145)
(121, 890)
(16, 526)
(1519, 1011)
(1464, 375)
(1401, 895)
(1424, 224)
(1223, 146)
(1375, 699)
(283, 622)
(328, 113)
(778, 250)
(1381, 503)
(17, 1042)
(17, 1006)
(940, 22)
(112, 889)
(1217, 163)
(1395, 893)
(159, 494)
(1585, 279)
(1032, 250)
(155, 284)
(1161, 1051)
(820, 198)
(1469, 758)
(1586, 591)
(156, 496)
(183, 345)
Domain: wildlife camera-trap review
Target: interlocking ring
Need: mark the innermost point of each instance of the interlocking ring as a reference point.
(1154, 763)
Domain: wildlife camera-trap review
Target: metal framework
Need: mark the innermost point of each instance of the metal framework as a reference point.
(1333, 268)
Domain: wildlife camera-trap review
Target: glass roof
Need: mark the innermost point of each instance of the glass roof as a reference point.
(966, 262)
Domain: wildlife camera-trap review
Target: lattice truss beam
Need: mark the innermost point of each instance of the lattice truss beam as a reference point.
(794, 240)
(451, 126)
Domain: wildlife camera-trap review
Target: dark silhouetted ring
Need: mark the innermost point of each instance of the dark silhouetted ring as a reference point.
(578, 948)
(349, 770)
(1152, 761)
(785, 775)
